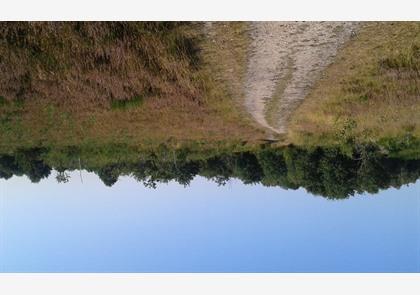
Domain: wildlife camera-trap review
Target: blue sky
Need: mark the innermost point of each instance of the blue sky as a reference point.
(88, 227)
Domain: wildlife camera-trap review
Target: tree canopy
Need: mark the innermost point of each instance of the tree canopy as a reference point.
(326, 172)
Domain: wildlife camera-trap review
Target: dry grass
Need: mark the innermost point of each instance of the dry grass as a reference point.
(370, 93)
(94, 62)
(226, 53)
(60, 81)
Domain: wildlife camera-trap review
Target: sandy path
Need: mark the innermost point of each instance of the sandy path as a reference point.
(286, 58)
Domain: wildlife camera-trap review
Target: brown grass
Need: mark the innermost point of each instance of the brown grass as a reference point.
(59, 82)
(74, 62)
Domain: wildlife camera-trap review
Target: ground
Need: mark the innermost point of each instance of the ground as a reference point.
(147, 84)
(76, 84)
(371, 93)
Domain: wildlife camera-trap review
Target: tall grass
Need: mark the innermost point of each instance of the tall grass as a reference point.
(160, 73)
(97, 61)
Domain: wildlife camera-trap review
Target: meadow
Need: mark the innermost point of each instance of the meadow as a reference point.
(371, 94)
(100, 83)
(96, 85)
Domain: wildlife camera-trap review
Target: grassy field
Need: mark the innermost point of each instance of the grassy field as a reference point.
(164, 101)
(181, 84)
(370, 94)
(65, 84)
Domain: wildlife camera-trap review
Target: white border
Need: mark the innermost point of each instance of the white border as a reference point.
(203, 284)
(210, 10)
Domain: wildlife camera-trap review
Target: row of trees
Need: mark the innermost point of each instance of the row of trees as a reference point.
(325, 172)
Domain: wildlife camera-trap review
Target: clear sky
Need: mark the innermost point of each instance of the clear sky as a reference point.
(88, 227)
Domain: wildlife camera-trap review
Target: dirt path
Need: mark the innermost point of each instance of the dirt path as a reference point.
(286, 59)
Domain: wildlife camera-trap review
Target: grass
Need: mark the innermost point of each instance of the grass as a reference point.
(370, 94)
(225, 52)
(159, 94)
(150, 83)
(273, 106)
(161, 74)
(3, 101)
(127, 104)
(408, 60)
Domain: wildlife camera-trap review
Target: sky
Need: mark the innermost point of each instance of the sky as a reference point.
(88, 227)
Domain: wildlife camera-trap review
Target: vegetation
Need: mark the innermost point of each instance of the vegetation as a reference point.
(161, 101)
(371, 94)
(151, 83)
(321, 171)
(72, 79)
(127, 104)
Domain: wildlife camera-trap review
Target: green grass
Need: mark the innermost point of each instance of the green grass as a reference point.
(3, 101)
(408, 60)
(371, 93)
(127, 104)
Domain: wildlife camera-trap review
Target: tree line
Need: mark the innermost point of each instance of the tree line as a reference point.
(326, 172)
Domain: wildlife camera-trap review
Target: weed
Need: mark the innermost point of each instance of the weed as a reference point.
(3, 101)
(127, 104)
(407, 60)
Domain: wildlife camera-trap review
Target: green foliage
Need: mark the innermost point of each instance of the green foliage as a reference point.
(407, 147)
(127, 104)
(25, 162)
(321, 171)
(3, 101)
